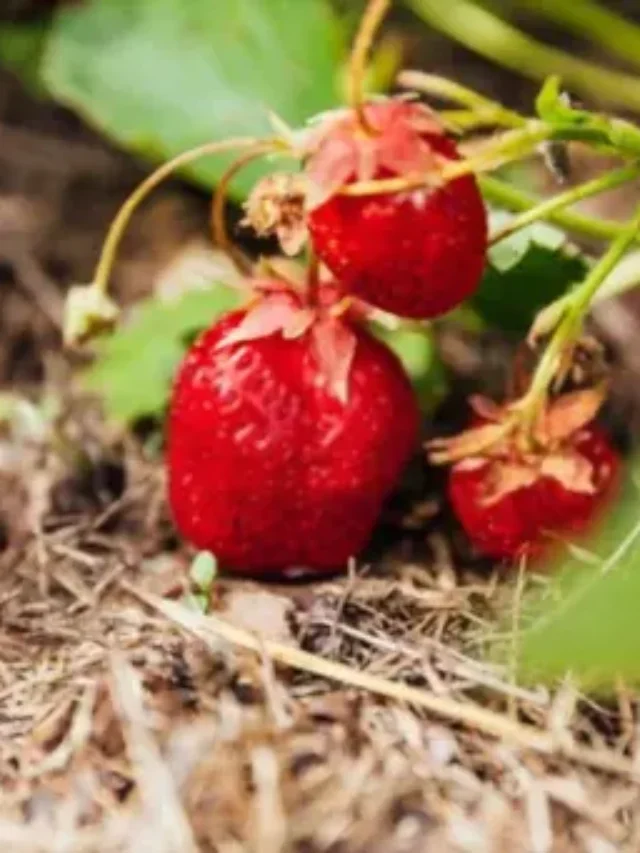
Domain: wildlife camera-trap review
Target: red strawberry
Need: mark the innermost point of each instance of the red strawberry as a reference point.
(416, 253)
(514, 502)
(288, 428)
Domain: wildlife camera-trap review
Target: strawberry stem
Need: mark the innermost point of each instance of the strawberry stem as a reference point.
(491, 112)
(369, 26)
(512, 145)
(546, 208)
(121, 221)
(504, 194)
(569, 327)
(313, 279)
(464, 121)
(218, 219)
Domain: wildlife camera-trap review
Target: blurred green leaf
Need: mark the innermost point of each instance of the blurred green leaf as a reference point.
(416, 349)
(524, 273)
(21, 50)
(161, 76)
(586, 621)
(135, 366)
(552, 105)
(509, 252)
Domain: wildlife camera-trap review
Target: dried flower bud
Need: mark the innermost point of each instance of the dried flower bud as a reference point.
(88, 313)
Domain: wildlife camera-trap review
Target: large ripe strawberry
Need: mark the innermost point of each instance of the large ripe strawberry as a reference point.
(416, 253)
(288, 428)
(516, 501)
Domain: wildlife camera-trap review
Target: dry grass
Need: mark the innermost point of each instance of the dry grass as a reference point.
(358, 718)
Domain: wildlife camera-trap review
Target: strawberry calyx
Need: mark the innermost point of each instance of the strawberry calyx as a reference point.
(278, 307)
(276, 206)
(515, 455)
(337, 150)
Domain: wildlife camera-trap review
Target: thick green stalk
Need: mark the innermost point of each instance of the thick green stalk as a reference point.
(590, 19)
(488, 35)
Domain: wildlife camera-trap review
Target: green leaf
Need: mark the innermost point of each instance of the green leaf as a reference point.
(21, 50)
(553, 107)
(162, 76)
(509, 252)
(416, 349)
(203, 571)
(525, 272)
(586, 621)
(135, 366)
(571, 122)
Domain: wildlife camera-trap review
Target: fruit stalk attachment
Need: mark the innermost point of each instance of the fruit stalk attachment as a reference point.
(369, 26)
(552, 366)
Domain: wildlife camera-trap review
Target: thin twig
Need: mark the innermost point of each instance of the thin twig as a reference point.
(211, 629)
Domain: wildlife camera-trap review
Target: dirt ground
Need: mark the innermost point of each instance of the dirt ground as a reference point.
(360, 718)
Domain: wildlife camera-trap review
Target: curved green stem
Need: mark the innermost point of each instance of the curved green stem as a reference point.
(119, 224)
(504, 194)
(545, 209)
(488, 35)
(218, 222)
(578, 304)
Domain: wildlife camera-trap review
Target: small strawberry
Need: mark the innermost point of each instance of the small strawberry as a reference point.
(517, 500)
(416, 253)
(288, 427)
